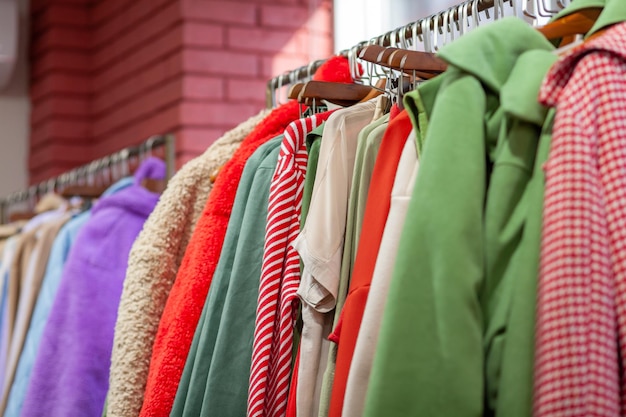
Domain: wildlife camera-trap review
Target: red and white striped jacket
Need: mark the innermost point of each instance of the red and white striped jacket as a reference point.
(280, 276)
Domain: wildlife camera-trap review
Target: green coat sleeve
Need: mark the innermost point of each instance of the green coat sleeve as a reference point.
(429, 360)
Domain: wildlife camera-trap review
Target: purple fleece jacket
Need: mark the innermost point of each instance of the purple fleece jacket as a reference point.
(71, 372)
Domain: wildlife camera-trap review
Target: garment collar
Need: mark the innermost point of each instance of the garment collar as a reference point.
(613, 41)
(519, 95)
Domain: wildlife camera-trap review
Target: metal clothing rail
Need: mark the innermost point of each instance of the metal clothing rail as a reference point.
(440, 20)
(428, 31)
(88, 171)
(305, 72)
(297, 75)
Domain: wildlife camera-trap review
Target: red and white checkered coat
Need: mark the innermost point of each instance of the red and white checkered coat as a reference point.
(581, 322)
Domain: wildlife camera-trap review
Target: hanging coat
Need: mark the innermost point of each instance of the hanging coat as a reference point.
(45, 299)
(153, 263)
(581, 315)
(71, 373)
(464, 226)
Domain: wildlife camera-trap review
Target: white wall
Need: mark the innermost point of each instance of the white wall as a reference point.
(14, 119)
(358, 20)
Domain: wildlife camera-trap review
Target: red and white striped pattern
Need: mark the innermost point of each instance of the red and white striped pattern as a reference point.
(581, 322)
(280, 276)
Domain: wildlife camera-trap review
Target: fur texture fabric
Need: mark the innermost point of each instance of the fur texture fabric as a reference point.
(335, 69)
(70, 376)
(153, 263)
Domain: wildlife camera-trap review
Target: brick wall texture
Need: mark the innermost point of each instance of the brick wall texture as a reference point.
(106, 74)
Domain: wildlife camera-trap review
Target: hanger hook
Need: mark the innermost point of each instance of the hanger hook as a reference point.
(397, 41)
(359, 75)
(435, 32)
(414, 34)
(150, 145)
(61, 181)
(292, 76)
(403, 41)
(445, 26)
(92, 168)
(125, 154)
(425, 35)
(278, 88)
(274, 100)
(52, 183)
(108, 160)
(32, 196)
(119, 166)
(461, 16)
(502, 2)
(475, 13)
(457, 13)
(42, 189)
(528, 9)
(352, 63)
(114, 167)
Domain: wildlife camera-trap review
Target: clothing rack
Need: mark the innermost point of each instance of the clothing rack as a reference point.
(86, 172)
(408, 35)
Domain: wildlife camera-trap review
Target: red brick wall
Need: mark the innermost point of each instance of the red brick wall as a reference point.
(110, 73)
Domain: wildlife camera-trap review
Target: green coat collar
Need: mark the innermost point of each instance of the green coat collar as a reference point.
(520, 92)
(419, 104)
(579, 5)
(614, 12)
(490, 53)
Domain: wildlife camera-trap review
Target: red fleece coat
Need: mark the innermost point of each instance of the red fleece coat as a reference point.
(189, 292)
(190, 289)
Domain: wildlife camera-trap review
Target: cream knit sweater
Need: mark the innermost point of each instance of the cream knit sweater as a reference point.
(152, 266)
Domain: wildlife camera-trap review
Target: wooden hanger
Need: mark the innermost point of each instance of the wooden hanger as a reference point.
(83, 191)
(376, 91)
(337, 93)
(294, 91)
(21, 215)
(566, 28)
(310, 102)
(376, 54)
(424, 64)
(96, 191)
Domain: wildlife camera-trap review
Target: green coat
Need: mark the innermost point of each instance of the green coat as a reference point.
(513, 246)
(442, 336)
(216, 374)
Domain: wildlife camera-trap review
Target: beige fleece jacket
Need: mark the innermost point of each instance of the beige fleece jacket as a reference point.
(152, 266)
